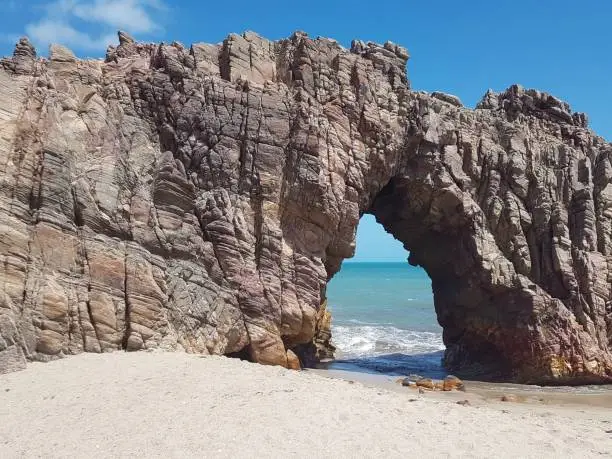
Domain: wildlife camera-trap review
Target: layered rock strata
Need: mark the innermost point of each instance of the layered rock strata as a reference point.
(200, 199)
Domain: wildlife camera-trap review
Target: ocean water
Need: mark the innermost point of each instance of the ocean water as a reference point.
(384, 320)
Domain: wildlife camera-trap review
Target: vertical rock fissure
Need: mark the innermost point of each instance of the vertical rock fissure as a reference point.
(126, 300)
(88, 300)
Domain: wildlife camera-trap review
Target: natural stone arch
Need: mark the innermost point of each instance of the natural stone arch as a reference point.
(486, 323)
(498, 323)
(505, 313)
(200, 199)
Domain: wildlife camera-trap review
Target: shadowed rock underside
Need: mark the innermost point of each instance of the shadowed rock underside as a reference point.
(200, 199)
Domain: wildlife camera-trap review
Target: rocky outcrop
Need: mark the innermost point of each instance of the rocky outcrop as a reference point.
(200, 199)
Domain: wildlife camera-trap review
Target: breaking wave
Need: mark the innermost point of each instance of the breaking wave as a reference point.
(372, 340)
(388, 349)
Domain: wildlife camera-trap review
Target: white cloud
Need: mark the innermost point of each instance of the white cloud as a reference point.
(48, 31)
(92, 24)
(125, 14)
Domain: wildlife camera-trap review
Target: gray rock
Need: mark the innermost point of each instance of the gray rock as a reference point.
(24, 49)
(24, 57)
(448, 98)
(125, 38)
(201, 198)
(59, 53)
(12, 359)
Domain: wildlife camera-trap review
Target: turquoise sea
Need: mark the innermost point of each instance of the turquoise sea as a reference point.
(384, 320)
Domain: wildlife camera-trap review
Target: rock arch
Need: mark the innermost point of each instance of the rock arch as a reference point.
(200, 198)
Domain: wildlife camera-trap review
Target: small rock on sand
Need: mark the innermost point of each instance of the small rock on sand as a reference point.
(452, 383)
(449, 383)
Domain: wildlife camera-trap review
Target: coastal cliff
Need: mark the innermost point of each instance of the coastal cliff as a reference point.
(200, 198)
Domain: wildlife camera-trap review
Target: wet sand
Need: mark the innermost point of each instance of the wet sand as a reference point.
(484, 393)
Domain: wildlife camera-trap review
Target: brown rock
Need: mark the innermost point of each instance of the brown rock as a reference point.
(200, 198)
(452, 383)
(509, 398)
(293, 362)
(426, 383)
(322, 338)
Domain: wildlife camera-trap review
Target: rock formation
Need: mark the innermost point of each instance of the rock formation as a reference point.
(200, 199)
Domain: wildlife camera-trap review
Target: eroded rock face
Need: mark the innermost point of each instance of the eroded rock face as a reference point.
(200, 199)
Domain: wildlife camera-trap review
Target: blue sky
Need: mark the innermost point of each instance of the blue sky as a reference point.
(374, 244)
(461, 47)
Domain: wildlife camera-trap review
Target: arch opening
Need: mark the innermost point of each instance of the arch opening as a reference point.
(485, 331)
(382, 307)
(425, 209)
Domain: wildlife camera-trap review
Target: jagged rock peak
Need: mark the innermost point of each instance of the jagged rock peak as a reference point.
(517, 99)
(129, 48)
(24, 48)
(363, 48)
(448, 98)
(125, 38)
(250, 58)
(23, 59)
(60, 53)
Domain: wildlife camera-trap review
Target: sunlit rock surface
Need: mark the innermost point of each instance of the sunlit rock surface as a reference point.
(199, 198)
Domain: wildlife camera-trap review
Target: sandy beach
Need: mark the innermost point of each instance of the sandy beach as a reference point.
(179, 405)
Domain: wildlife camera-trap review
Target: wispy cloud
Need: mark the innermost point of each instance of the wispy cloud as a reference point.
(48, 31)
(92, 24)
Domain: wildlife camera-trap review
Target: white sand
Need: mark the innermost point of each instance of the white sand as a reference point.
(178, 405)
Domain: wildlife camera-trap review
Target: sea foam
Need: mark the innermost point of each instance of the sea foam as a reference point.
(374, 340)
